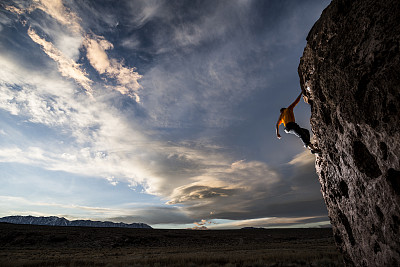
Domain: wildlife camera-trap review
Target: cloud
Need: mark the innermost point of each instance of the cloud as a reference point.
(143, 11)
(187, 26)
(96, 53)
(202, 222)
(252, 190)
(126, 78)
(193, 193)
(226, 190)
(119, 77)
(96, 136)
(154, 215)
(99, 141)
(211, 188)
(202, 90)
(67, 67)
(57, 10)
(14, 9)
(203, 72)
(303, 159)
(201, 225)
(197, 175)
(42, 97)
(272, 222)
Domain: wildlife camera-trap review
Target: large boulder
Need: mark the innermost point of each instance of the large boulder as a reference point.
(350, 76)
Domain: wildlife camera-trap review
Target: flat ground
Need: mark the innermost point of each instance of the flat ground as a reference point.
(28, 245)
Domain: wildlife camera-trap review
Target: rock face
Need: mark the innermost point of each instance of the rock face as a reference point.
(350, 76)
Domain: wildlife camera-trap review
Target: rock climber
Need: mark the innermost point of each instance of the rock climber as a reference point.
(288, 120)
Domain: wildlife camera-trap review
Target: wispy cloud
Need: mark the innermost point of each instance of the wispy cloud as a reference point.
(14, 9)
(155, 215)
(271, 222)
(303, 159)
(58, 11)
(200, 78)
(143, 11)
(104, 143)
(67, 67)
(125, 78)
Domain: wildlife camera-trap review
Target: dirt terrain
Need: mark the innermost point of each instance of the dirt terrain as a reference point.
(28, 245)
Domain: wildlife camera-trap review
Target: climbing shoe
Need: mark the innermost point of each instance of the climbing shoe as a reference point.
(313, 149)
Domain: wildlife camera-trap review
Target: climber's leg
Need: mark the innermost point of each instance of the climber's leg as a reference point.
(307, 132)
(302, 133)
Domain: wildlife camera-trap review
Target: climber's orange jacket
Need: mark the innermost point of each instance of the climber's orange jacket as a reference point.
(287, 115)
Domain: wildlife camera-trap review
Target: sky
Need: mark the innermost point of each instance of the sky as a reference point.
(161, 112)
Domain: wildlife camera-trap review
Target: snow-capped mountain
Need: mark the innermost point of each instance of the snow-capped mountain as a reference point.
(57, 221)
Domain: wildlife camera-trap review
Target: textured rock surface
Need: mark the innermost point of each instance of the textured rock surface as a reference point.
(350, 75)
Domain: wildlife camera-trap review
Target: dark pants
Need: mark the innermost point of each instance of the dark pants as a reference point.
(302, 133)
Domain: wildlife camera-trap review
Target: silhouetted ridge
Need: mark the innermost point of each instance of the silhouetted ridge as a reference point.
(57, 221)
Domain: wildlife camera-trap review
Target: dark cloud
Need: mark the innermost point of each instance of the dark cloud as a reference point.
(250, 190)
(156, 215)
(195, 193)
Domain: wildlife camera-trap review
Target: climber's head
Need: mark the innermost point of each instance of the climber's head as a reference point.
(282, 109)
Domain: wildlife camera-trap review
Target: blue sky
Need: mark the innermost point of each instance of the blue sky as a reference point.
(160, 112)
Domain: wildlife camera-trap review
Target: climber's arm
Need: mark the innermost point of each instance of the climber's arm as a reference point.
(277, 126)
(295, 102)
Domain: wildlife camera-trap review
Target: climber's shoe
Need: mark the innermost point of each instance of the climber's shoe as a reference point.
(313, 149)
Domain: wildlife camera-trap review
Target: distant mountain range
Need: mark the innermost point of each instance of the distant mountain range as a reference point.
(57, 221)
